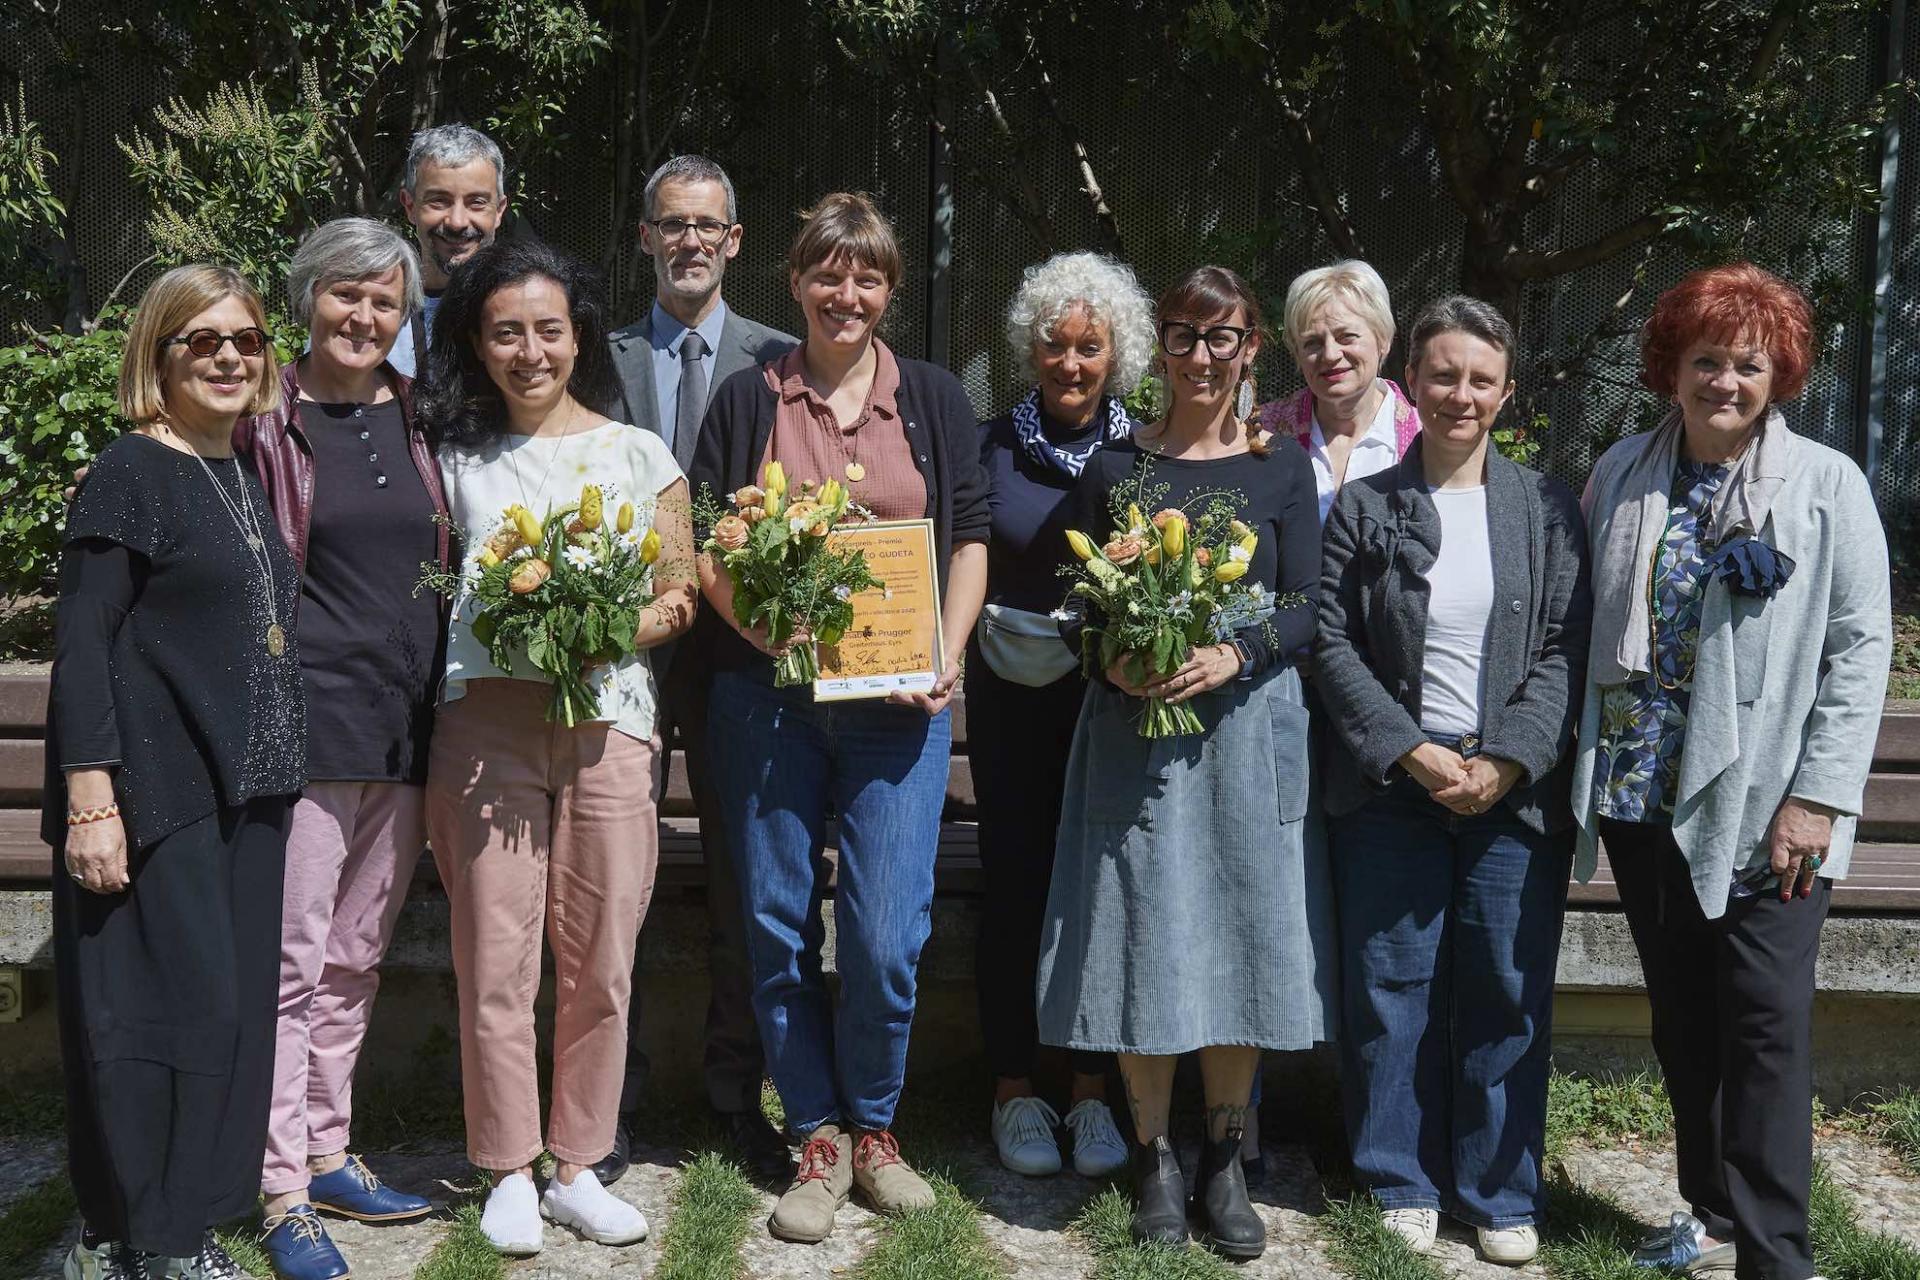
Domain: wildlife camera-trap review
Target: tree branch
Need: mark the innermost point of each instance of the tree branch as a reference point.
(1027, 203)
(427, 53)
(1306, 157)
(1089, 184)
(1535, 265)
(692, 77)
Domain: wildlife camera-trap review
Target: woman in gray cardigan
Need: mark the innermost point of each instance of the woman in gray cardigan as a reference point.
(1448, 671)
(1733, 695)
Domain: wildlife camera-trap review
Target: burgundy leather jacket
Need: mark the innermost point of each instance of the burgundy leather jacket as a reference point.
(277, 446)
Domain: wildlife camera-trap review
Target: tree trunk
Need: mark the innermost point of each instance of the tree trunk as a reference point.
(1485, 273)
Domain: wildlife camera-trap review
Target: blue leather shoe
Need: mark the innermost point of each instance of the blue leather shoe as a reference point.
(299, 1247)
(1683, 1247)
(353, 1192)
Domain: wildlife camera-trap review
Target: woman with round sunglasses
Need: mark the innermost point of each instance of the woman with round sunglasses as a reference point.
(1187, 911)
(176, 742)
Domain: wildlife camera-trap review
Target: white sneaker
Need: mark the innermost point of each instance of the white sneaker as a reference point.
(1023, 1134)
(511, 1220)
(592, 1210)
(1509, 1246)
(1417, 1227)
(1098, 1151)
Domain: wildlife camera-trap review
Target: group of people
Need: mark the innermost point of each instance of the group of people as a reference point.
(1467, 679)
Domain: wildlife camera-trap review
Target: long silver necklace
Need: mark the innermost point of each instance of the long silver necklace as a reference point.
(513, 462)
(247, 521)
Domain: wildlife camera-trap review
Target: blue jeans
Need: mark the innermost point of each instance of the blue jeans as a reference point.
(1450, 935)
(781, 764)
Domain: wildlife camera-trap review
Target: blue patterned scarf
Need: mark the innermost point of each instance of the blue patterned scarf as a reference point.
(1052, 457)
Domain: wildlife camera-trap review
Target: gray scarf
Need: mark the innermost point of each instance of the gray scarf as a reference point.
(1621, 649)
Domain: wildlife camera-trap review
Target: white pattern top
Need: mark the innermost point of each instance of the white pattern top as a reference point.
(1373, 452)
(628, 463)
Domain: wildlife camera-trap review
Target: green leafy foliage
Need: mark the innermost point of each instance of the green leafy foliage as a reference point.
(29, 213)
(237, 178)
(57, 410)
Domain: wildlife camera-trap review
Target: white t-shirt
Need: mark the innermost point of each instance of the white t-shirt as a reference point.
(1460, 604)
(628, 463)
(1373, 452)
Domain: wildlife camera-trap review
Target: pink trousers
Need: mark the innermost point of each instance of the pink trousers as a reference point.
(540, 828)
(350, 854)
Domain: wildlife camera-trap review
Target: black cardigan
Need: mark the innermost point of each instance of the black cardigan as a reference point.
(940, 426)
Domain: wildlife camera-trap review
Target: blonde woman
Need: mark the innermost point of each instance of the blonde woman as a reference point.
(176, 745)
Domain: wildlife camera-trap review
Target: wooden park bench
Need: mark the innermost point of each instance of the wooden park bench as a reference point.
(1885, 878)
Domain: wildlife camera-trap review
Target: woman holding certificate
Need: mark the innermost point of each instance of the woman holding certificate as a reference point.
(1187, 911)
(901, 437)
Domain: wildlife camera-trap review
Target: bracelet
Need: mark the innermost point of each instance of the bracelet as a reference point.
(80, 817)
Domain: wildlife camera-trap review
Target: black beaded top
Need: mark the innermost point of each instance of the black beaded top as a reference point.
(203, 713)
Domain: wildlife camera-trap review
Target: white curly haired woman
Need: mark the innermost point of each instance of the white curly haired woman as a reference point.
(1080, 329)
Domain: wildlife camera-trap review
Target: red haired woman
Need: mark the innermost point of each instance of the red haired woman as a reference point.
(1741, 638)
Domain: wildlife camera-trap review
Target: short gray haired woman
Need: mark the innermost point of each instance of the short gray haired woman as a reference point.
(1742, 635)
(355, 492)
(1080, 330)
(1453, 631)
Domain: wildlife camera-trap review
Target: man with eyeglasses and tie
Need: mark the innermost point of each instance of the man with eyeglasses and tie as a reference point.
(669, 364)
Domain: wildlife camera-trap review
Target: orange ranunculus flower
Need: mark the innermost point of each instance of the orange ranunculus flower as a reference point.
(1202, 557)
(730, 533)
(1123, 550)
(749, 496)
(529, 576)
(800, 514)
(753, 515)
(1165, 514)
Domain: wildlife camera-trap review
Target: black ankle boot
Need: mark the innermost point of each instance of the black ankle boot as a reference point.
(1233, 1229)
(1159, 1194)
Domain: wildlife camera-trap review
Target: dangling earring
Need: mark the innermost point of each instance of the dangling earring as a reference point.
(1243, 400)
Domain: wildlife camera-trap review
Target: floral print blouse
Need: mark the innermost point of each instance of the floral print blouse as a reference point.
(1643, 723)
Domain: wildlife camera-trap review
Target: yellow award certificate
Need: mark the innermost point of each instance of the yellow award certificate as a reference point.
(894, 642)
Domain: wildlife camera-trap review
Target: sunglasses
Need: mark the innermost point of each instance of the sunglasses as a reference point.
(207, 342)
(1178, 338)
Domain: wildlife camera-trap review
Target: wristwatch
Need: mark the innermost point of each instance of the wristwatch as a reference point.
(1245, 651)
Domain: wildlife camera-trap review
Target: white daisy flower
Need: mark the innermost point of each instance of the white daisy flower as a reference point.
(580, 557)
(1239, 554)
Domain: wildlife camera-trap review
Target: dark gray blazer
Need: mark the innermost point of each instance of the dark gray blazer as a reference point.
(1381, 538)
(743, 344)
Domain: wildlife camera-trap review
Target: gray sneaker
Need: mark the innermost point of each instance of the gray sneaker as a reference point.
(211, 1263)
(108, 1260)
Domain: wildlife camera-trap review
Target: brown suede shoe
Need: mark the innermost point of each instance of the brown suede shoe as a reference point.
(805, 1212)
(888, 1182)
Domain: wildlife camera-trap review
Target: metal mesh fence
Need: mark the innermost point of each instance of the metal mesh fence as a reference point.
(1190, 175)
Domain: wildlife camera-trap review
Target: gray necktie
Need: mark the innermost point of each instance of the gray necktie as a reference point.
(693, 398)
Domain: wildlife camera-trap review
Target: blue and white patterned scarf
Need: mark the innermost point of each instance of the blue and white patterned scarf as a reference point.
(1050, 456)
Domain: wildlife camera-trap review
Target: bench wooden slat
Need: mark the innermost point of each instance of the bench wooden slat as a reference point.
(23, 704)
(22, 771)
(1891, 810)
(1898, 747)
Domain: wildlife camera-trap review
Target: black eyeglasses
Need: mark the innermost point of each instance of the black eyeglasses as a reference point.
(1178, 338)
(207, 342)
(711, 231)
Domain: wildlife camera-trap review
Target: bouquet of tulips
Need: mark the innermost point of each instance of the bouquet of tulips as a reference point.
(563, 594)
(773, 544)
(1161, 587)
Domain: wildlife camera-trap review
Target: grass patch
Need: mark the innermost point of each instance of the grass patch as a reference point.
(1587, 1235)
(1843, 1250)
(34, 1223)
(464, 1253)
(1104, 1223)
(1360, 1244)
(33, 1106)
(713, 1209)
(1605, 1110)
(241, 1240)
(1895, 1121)
(944, 1241)
(419, 1104)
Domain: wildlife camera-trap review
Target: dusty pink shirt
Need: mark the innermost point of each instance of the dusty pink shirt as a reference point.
(810, 444)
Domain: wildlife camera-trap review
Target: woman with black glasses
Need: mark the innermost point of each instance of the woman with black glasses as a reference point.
(1187, 911)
